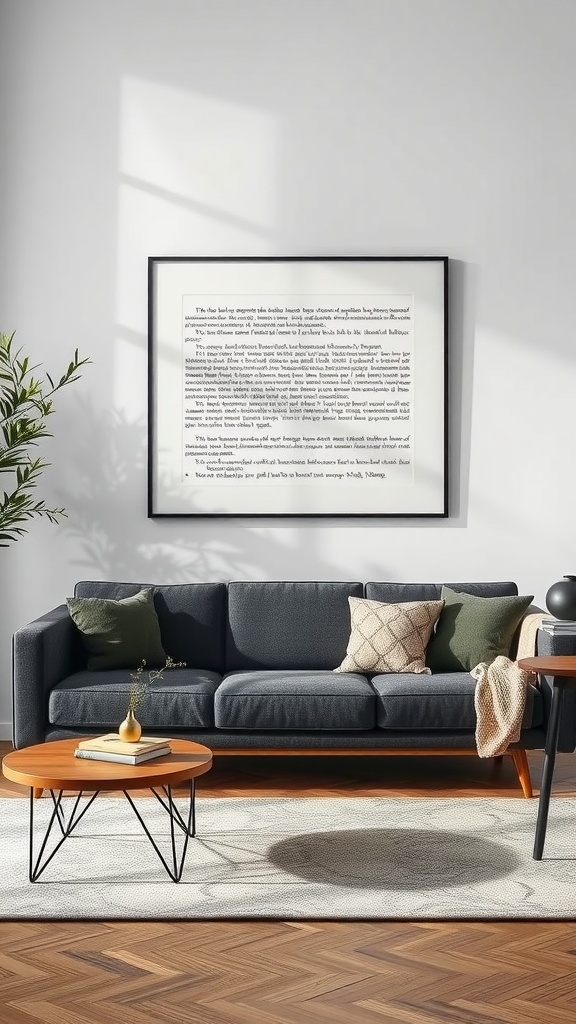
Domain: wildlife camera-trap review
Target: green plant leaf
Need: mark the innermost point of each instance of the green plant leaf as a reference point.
(25, 403)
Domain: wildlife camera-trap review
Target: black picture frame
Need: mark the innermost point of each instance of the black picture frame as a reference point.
(298, 386)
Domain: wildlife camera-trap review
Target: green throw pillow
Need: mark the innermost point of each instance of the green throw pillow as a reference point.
(473, 629)
(118, 634)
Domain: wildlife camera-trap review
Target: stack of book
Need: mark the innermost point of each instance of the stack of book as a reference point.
(559, 627)
(111, 748)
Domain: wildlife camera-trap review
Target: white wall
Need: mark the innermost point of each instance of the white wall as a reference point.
(351, 127)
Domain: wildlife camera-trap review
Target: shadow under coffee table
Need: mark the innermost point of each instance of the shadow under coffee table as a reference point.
(53, 766)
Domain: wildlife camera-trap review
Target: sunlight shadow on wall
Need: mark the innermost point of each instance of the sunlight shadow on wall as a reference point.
(198, 168)
(104, 490)
(107, 506)
(217, 155)
(190, 167)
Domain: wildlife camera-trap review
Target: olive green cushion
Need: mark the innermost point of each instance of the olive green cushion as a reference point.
(118, 634)
(473, 629)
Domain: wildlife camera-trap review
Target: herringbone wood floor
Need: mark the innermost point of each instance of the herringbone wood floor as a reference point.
(299, 973)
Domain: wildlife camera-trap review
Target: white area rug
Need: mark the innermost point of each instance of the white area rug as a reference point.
(368, 858)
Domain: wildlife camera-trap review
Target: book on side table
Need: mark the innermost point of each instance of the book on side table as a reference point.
(559, 627)
(111, 748)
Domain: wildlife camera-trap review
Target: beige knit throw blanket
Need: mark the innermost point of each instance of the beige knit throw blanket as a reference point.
(500, 695)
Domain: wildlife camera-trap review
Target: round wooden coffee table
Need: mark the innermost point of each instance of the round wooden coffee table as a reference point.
(53, 766)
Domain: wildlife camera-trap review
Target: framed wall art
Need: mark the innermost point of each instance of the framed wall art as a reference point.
(298, 386)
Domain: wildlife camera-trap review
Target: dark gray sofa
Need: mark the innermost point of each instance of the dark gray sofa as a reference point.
(259, 676)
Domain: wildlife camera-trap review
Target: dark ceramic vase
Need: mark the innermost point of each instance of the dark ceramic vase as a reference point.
(561, 598)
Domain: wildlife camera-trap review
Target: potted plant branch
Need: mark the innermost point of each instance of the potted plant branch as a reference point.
(26, 401)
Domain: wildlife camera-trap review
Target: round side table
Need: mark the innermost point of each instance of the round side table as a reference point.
(562, 668)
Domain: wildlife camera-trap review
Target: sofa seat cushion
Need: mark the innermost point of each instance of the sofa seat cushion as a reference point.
(182, 698)
(442, 701)
(297, 700)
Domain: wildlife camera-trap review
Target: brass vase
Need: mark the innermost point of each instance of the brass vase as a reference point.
(130, 729)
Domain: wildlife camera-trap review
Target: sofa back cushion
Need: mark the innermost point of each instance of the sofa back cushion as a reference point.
(468, 641)
(191, 617)
(474, 630)
(288, 625)
(395, 592)
(118, 634)
(389, 637)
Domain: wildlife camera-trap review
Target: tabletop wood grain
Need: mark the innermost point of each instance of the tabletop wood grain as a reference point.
(52, 765)
(551, 665)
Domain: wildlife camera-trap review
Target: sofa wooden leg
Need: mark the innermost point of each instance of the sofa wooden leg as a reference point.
(38, 793)
(523, 770)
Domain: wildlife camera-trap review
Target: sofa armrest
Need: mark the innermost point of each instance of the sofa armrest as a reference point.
(551, 645)
(43, 653)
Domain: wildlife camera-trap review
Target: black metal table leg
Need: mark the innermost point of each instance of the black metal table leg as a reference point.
(176, 819)
(548, 770)
(186, 823)
(36, 867)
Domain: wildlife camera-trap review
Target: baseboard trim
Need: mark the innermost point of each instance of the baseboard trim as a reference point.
(5, 730)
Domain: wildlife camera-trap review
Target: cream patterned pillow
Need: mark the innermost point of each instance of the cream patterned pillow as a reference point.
(389, 637)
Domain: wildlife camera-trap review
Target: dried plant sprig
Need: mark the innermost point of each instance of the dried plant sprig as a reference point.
(140, 685)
